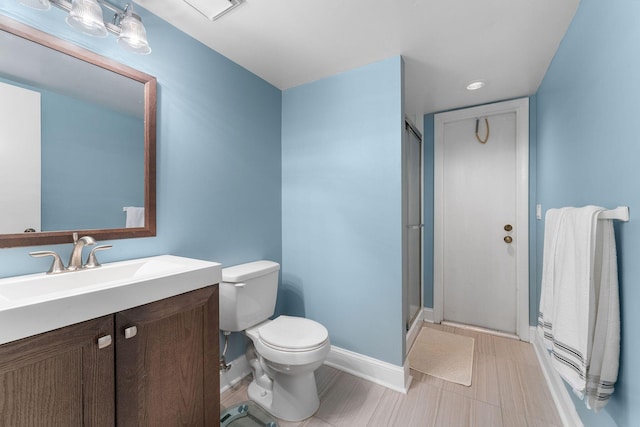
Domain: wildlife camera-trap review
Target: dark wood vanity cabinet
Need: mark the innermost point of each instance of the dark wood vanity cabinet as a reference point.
(167, 374)
(59, 378)
(160, 369)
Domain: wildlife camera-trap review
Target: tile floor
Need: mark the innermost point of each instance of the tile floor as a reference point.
(508, 390)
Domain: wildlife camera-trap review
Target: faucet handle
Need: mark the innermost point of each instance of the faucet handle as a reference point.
(56, 267)
(92, 261)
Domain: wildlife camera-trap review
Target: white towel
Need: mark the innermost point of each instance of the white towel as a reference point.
(573, 306)
(545, 320)
(579, 309)
(605, 355)
(135, 217)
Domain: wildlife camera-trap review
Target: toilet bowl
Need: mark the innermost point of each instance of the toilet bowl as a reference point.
(284, 352)
(288, 350)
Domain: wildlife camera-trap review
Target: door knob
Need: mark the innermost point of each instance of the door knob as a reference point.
(508, 239)
(508, 227)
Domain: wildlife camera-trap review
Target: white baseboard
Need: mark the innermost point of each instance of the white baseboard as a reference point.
(564, 404)
(427, 315)
(391, 376)
(239, 369)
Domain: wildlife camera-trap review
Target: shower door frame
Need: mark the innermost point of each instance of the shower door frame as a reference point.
(521, 108)
(410, 128)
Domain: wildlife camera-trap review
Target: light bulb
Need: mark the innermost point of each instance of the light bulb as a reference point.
(86, 16)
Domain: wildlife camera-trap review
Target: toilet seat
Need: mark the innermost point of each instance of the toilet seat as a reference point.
(286, 333)
(273, 343)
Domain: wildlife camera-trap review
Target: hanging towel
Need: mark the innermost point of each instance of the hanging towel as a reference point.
(579, 309)
(573, 308)
(545, 320)
(135, 217)
(603, 368)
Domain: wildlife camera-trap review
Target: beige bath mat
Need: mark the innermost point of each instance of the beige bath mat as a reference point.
(443, 355)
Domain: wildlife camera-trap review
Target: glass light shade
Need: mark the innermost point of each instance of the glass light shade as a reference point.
(36, 4)
(86, 16)
(133, 36)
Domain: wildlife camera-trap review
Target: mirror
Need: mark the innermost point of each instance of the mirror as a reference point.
(77, 142)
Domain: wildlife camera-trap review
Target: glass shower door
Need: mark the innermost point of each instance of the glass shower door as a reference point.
(413, 227)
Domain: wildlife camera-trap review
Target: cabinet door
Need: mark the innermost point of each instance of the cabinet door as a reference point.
(59, 378)
(167, 362)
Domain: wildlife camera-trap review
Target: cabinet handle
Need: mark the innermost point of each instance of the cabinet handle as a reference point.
(104, 342)
(130, 332)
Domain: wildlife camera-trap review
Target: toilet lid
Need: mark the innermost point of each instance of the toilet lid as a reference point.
(293, 333)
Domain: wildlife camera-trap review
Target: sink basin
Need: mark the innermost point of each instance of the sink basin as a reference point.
(41, 286)
(41, 302)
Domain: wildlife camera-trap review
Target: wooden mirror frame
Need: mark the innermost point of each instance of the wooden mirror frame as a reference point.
(149, 229)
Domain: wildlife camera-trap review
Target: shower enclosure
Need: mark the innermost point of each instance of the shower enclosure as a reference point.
(412, 223)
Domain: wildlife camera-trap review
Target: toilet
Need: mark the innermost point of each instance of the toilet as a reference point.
(284, 352)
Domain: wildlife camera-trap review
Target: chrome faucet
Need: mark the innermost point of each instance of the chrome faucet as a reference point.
(75, 261)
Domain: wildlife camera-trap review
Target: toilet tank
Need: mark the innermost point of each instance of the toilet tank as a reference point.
(247, 294)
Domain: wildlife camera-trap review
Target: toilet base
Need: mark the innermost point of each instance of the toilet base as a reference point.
(293, 397)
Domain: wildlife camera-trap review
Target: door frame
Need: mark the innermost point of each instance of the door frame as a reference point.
(521, 227)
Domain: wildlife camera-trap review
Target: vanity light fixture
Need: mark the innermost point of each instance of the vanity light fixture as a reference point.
(86, 16)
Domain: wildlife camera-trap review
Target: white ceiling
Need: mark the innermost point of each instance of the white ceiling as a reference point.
(445, 43)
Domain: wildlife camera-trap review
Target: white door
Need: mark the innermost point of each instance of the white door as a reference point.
(481, 217)
(19, 159)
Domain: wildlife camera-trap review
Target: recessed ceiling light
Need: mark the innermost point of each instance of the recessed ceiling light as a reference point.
(478, 84)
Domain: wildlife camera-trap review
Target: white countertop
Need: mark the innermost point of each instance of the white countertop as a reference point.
(38, 303)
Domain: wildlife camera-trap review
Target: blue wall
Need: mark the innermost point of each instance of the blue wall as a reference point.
(588, 153)
(341, 207)
(68, 152)
(218, 143)
(92, 164)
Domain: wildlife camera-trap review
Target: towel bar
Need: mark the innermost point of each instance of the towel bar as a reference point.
(621, 213)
